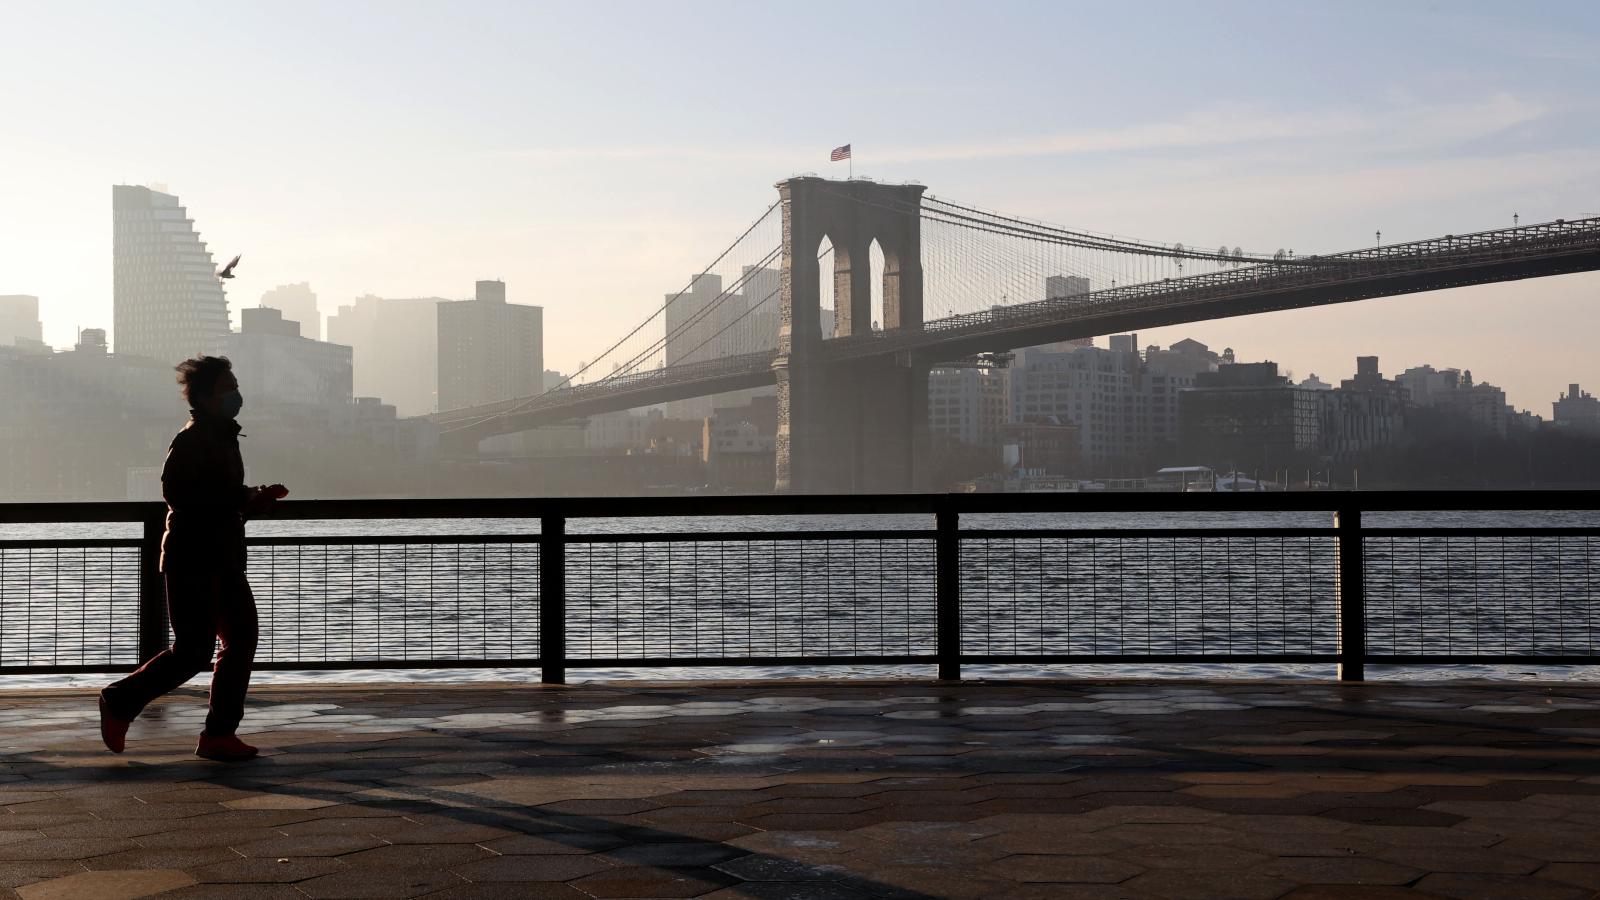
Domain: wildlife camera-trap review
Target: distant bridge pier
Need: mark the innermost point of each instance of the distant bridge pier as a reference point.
(859, 425)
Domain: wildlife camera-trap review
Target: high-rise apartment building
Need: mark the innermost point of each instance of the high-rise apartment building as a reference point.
(396, 349)
(19, 320)
(489, 349)
(1577, 410)
(1453, 389)
(167, 303)
(1057, 286)
(298, 303)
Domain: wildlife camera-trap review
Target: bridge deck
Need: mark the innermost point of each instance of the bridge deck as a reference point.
(826, 790)
(1528, 251)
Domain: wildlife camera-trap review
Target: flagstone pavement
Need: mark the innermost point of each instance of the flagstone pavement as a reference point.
(819, 790)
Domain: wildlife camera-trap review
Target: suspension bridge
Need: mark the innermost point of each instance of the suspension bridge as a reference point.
(955, 281)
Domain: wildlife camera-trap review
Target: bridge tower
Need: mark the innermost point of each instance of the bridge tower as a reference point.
(859, 426)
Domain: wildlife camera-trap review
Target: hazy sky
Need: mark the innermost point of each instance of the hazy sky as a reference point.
(594, 154)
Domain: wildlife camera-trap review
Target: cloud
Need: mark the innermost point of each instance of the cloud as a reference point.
(1397, 125)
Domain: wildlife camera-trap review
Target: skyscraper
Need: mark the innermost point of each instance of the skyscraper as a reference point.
(167, 303)
(19, 319)
(489, 349)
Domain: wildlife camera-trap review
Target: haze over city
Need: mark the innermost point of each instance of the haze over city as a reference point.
(592, 155)
(906, 449)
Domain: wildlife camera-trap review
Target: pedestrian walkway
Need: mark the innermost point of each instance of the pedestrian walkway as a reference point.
(817, 790)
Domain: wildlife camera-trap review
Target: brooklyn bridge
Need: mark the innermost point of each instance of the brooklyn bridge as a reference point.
(954, 284)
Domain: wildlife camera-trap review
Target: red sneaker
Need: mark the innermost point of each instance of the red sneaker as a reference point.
(224, 749)
(113, 731)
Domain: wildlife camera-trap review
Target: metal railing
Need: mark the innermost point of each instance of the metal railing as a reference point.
(1207, 582)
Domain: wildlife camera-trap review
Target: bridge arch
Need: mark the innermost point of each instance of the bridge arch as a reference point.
(828, 257)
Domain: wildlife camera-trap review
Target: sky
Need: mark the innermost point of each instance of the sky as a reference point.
(593, 155)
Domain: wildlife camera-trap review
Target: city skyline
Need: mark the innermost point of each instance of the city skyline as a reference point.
(605, 212)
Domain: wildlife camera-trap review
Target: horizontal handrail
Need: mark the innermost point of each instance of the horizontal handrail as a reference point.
(846, 504)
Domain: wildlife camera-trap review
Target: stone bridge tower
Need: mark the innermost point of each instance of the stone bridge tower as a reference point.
(849, 426)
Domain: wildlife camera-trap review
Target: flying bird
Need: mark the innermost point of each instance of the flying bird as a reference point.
(227, 270)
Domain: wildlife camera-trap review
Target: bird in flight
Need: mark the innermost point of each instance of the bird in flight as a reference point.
(227, 270)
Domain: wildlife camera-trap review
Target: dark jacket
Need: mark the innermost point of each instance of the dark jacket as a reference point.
(203, 484)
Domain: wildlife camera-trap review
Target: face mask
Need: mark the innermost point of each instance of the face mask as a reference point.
(232, 402)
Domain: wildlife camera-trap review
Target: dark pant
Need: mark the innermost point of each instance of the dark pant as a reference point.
(202, 606)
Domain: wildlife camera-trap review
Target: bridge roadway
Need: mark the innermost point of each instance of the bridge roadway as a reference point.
(1530, 251)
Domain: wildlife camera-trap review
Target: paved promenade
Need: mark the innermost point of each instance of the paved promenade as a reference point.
(818, 790)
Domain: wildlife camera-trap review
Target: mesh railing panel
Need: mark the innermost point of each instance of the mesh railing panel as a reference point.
(69, 605)
(1488, 595)
(433, 601)
(1136, 595)
(750, 598)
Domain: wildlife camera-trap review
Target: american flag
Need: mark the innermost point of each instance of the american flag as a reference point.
(839, 153)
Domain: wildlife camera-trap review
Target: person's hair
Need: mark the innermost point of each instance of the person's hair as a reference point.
(199, 375)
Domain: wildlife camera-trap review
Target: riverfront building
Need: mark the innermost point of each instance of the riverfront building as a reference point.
(968, 404)
(73, 424)
(489, 350)
(1248, 417)
(1481, 403)
(282, 367)
(1577, 410)
(167, 302)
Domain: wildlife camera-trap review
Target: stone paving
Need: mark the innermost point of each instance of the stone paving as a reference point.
(818, 790)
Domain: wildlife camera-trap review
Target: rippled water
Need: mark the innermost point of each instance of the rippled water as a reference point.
(1053, 580)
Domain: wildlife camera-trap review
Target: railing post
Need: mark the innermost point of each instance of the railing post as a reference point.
(553, 599)
(947, 591)
(152, 589)
(1351, 578)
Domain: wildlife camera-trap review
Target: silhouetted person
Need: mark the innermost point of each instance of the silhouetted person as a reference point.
(203, 563)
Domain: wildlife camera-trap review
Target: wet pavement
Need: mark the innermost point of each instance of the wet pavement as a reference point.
(817, 790)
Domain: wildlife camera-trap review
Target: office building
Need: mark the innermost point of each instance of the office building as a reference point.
(395, 349)
(968, 405)
(276, 366)
(1247, 417)
(167, 301)
(489, 350)
(1097, 390)
(298, 303)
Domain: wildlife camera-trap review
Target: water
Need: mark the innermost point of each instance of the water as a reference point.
(1113, 619)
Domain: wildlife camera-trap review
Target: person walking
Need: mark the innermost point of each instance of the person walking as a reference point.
(203, 565)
